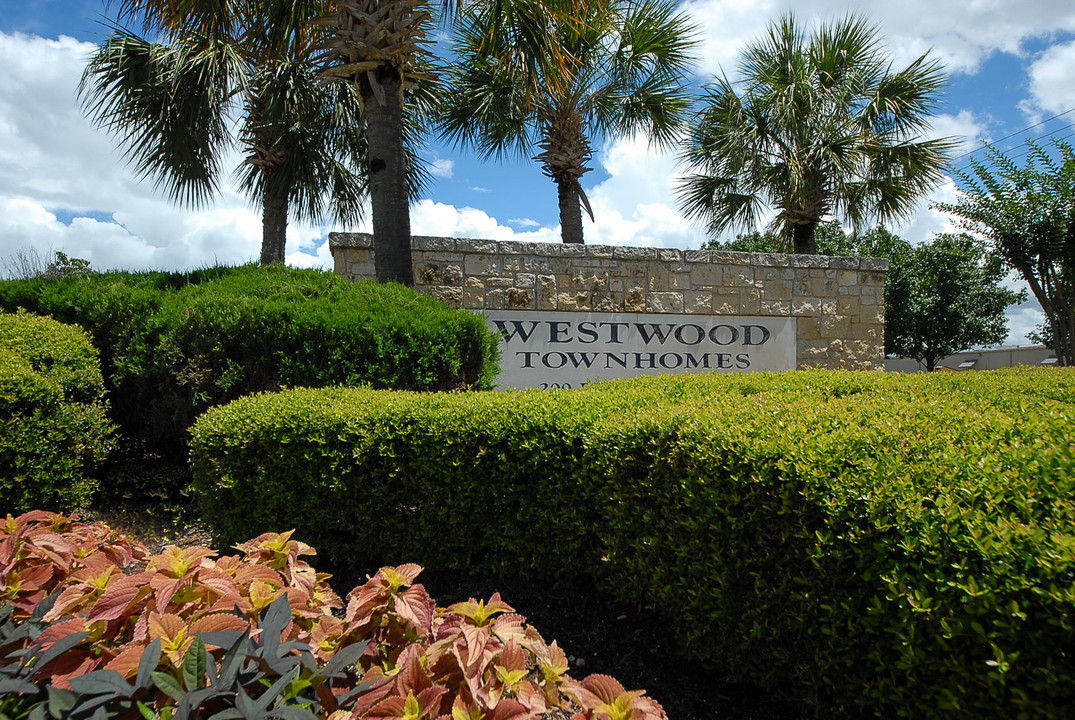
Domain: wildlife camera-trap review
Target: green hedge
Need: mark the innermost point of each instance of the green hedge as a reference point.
(868, 544)
(53, 424)
(174, 344)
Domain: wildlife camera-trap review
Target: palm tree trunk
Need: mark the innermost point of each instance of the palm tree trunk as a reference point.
(570, 211)
(388, 181)
(802, 238)
(273, 229)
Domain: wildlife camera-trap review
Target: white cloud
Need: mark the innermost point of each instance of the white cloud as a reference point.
(1052, 79)
(961, 35)
(53, 161)
(442, 167)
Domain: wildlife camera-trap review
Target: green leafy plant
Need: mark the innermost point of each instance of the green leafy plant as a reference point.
(848, 541)
(254, 637)
(54, 429)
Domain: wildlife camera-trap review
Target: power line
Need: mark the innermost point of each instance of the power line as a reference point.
(1017, 132)
(1052, 134)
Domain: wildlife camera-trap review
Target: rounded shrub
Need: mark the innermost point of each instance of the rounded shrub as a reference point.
(53, 420)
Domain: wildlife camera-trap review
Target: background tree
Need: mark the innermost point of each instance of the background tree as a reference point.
(944, 297)
(173, 103)
(1027, 215)
(626, 68)
(820, 126)
(941, 297)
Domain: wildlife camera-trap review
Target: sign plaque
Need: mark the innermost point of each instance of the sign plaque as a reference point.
(570, 349)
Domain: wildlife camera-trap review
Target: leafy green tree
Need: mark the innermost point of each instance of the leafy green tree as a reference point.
(173, 103)
(830, 237)
(819, 127)
(940, 297)
(377, 46)
(1027, 216)
(944, 297)
(626, 73)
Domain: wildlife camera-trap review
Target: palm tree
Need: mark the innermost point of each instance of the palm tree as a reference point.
(377, 45)
(819, 127)
(627, 62)
(173, 103)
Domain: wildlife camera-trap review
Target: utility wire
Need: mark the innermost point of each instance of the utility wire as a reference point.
(1017, 132)
(1026, 141)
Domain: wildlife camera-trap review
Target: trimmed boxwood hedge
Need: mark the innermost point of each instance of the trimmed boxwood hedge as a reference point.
(53, 421)
(868, 544)
(174, 344)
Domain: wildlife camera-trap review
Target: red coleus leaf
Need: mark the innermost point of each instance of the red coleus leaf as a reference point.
(120, 596)
(412, 707)
(416, 607)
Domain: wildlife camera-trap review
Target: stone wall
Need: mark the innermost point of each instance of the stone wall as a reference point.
(837, 302)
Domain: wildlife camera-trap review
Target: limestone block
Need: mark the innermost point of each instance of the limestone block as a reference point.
(666, 302)
(847, 305)
(514, 247)
(775, 308)
(750, 303)
(450, 296)
(738, 276)
(339, 263)
(571, 250)
(835, 326)
(635, 300)
(362, 271)
(511, 263)
(697, 302)
(589, 282)
(612, 302)
(537, 264)
(872, 279)
(698, 256)
(481, 265)
(776, 290)
(809, 261)
(634, 253)
(828, 307)
(809, 328)
(428, 274)
(500, 282)
(845, 263)
(516, 299)
(494, 299)
(474, 294)
(670, 255)
(770, 259)
(452, 274)
(727, 307)
(849, 277)
(546, 292)
(599, 251)
(525, 281)
(573, 301)
(438, 244)
(443, 257)
(823, 287)
(801, 307)
(729, 258)
(706, 276)
(616, 284)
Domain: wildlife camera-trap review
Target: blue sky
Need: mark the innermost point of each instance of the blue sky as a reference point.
(64, 184)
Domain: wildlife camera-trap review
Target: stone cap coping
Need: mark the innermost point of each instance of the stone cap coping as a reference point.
(428, 243)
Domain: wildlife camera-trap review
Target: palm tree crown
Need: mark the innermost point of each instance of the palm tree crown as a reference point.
(173, 103)
(820, 126)
(625, 63)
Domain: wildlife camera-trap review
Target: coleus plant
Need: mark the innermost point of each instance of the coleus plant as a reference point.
(185, 634)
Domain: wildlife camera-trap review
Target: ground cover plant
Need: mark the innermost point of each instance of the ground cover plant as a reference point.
(54, 429)
(174, 344)
(92, 625)
(858, 543)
